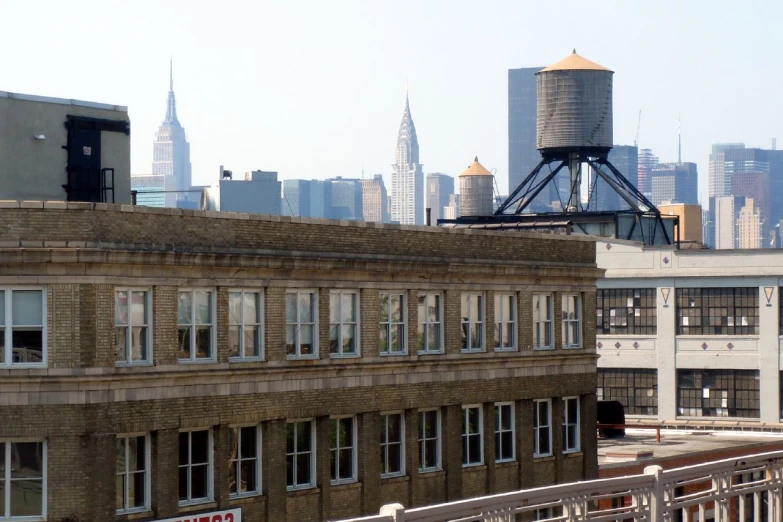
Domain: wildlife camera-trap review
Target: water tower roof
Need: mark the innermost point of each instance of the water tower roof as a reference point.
(476, 169)
(574, 62)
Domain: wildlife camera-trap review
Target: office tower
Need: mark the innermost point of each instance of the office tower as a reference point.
(523, 156)
(408, 176)
(626, 159)
(258, 193)
(725, 217)
(149, 189)
(647, 161)
(719, 180)
(304, 198)
(344, 198)
(674, 183)
(439, 188)
(171, 153)
(374, 199)
(749, 226)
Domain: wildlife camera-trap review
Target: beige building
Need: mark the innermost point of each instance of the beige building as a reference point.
(750, 226)
(375, 200)
(690, 221)
(95, 165)
(163, 363)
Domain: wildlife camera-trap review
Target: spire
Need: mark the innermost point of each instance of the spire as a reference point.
(171, 104)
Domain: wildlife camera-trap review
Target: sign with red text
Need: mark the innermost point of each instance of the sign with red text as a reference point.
(229, 515)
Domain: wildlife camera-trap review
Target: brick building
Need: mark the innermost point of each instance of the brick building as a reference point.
(161, 363)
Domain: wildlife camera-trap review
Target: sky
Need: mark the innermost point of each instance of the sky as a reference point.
(316, 89)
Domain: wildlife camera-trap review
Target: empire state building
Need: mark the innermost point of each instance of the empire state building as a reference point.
(171, 153)
(408, 177)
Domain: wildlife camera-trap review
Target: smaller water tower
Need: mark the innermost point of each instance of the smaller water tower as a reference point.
(476, 186)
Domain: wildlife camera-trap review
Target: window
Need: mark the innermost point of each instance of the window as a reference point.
(342, 448)
(133, 473)
(344, 323)
(196, 319)
(392, 444)
(635, 389)
(300, 454)
(472, 312)
(542, 434)
(22, 480)
(542, 321)
(245, 330)
(132, 334)
(429, 440)
(717, 311)
(472, 436)
(22, 339)
(430, 318)
(570, 424)
(718, 393)
(195, 466)
(300, 327)
(626, 311)
(505, 321)
(572, 321)
(393, 332)
(504, 432)
(244, 462)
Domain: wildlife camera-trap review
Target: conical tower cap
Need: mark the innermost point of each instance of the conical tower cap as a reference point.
(476, 169)
(574, 62)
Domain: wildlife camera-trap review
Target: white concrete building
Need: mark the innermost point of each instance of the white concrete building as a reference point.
(690, 335)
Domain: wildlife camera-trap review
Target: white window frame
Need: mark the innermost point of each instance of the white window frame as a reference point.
(539, 323)
(147, 473)
(311, 451)
(499, 430)
(385, 445)
(466, 462)
(243, 325)
(500, 300)
(297, 341)
(538, 425)
(425, 324)
(5, 454)
(8, 328)
(566, 300)
(213, 326)
(129, 327)
(356, 324)
(573, 446)
(389, 325)
(421, 441)
(334, 452)
(240, 459)
(210, 467)
(481, 322)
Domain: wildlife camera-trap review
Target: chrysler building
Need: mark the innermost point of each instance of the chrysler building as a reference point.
(407, 196)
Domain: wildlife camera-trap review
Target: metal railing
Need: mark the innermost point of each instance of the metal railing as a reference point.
(746, 489)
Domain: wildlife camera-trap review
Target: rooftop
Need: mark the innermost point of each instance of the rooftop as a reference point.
(476, 169)
(62, 101)
(574, 62)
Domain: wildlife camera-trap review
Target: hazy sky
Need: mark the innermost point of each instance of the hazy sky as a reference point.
(316, 89)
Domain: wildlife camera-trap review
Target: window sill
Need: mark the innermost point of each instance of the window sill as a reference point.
(430, 353)
(392, 479)
(21, 366)
(345, 356)
(506, 350)
(573, 454)
(302, 357)
(196, 361)
(133, 514)
(354, 484)
(544, 458)
(303, 490)
(246, 499)
(432, 472)
(472, 350)
(573, 347)
(505, 463)
(239, 360)
(543, 348)
(133, 365)
(393, 354)
(474, 467)
(195, 505)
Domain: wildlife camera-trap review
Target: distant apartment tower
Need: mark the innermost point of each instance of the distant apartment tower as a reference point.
(749, 226)
(374, 199)
(407, 176)
(343, 198)
(723, 211)
(149, 189)
(439, 188)
(674, 183)
(523, 156)
(258, 193)
(171, 153)
(647, 161)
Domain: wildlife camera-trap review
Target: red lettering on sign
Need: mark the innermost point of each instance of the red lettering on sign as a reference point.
(217, 518)
(229, 517)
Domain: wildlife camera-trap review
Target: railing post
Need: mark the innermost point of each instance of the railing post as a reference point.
(395, 511)
(657, 502)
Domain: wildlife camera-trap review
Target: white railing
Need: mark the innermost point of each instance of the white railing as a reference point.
(746, 489)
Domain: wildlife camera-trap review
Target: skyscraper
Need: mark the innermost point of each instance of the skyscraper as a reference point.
(439, 188)
(626, 159)
(374, 199)
(647, 161)
(674, 183)
(344, 198)
(718, 179)
(523, 155)
(408, 177)
(171, 152)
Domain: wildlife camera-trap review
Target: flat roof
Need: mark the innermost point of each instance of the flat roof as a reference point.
(639, 445)
(63, 101)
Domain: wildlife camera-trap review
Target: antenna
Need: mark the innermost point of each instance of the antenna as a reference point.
(638, 128)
